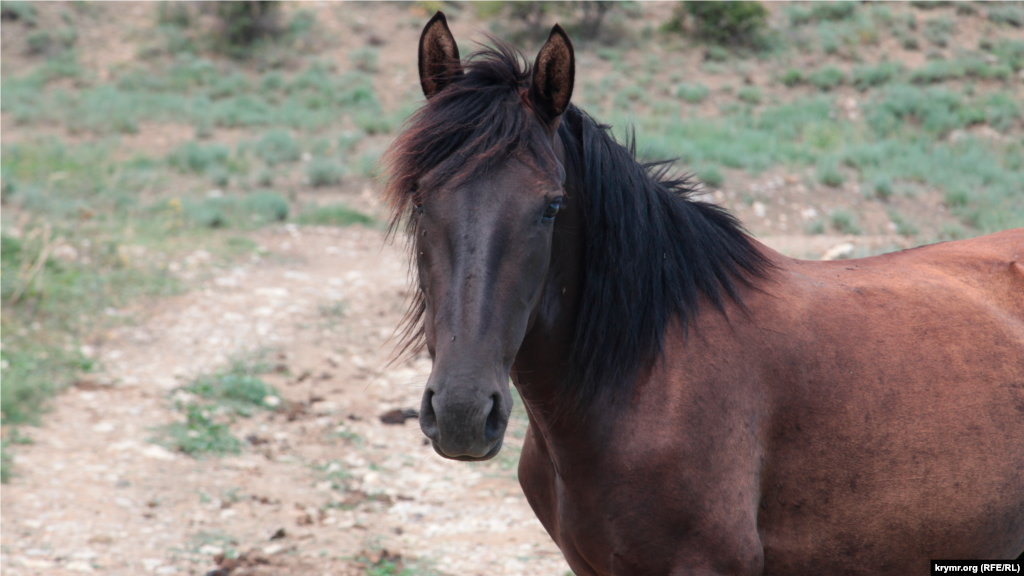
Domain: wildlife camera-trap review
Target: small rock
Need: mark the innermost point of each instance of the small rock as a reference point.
(839, 251)
(78, 566)
(273, 549)
(278, 534)
(211, 549)
(759, 209)
(398, 416)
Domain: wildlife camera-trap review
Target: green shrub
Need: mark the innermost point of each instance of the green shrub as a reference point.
(194, 157)
(798, 15)
(728, 23)
(199, 434)
(935, 110)
(936, 71)
(939, 31)
(750, 95)
(19, 11)
(711, 176)
(928, 4)
(864, 77)
(1006, 13)
(832, 10)
(1011, 52)
(278, 147)
(365, 59)
(238, 389)
(266, 207)
(792, 77)
(956, 197)
(243, 23)
(826, 78)
(904, 227)
(324, 172)
(815, 227)
(333, 215)
(176, 14)
(39, 42)
(693, 93)
(844, 222)
(830, 174)
(882, 188)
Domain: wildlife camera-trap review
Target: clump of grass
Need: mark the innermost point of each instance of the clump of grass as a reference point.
(200, 434)
(830, 174)
(792, 77)
(20, 11)
(865, 77)
(815, 227)
(928, 4)
(324, 172)
(239, 389)
(333, 215)
(798, 15)
(956, 197)
(904, 227)
(278, 147)
(1007, 13)
(6, 462)
(711, 176)
(693, 93)
(365, 59)
(727, 23)
(939, 31)
(750, 95)
(257, 208)
(264, 206)
(197, 158)
(882, 188)
(826, 78)
(844, 222)
(832, 10)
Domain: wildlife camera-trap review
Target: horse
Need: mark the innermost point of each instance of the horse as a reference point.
(698, 403)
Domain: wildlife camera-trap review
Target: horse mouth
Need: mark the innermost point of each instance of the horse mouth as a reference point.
(465, 458)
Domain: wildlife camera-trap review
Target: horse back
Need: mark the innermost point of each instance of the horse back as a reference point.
(897, 406)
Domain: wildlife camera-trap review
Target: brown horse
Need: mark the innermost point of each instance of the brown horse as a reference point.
(698, 403)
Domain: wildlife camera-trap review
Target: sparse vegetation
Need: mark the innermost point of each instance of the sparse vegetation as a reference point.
(333, 215)
(844, 222)
(726, 23)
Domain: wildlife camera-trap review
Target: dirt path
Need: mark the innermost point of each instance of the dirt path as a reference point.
(321, 488)
(92, 494)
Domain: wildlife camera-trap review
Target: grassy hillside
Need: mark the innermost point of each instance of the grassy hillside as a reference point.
(141, 141)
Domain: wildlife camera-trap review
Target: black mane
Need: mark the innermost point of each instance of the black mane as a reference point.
(650, 251)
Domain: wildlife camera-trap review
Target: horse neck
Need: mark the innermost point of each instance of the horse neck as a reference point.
(541, 364)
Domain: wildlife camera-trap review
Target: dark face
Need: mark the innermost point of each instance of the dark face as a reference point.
(483, 247)
(482, 250)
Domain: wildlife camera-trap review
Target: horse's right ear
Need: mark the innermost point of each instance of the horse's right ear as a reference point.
(553, 76)
(439, 56)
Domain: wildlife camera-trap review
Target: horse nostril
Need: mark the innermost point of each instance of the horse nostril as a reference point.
(494, 428)
(428, 418)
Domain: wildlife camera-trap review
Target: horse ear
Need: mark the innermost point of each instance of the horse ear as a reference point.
(553, 75)
(439, 56)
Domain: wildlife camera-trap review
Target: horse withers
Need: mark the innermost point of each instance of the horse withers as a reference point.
(698, 403)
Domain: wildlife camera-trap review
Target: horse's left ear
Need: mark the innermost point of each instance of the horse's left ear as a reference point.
(553, 75)
(439, 56)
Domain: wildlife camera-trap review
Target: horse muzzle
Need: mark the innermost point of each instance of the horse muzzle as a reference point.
(464, 422)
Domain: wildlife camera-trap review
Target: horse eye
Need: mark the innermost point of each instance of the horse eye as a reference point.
(552, 209)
